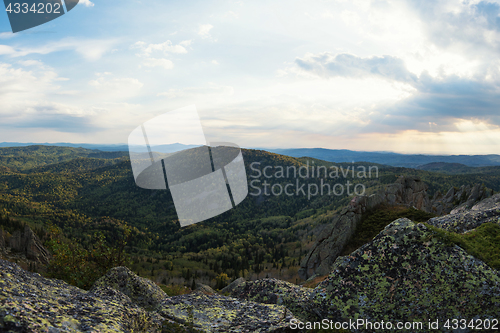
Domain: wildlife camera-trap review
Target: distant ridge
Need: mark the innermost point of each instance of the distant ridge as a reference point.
(171, 148)
(330, 155)
(388, 158)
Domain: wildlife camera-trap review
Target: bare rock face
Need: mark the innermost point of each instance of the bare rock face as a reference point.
(408, 191)
(463, 219)
(458, 200)
(2, 240)
(29, 244)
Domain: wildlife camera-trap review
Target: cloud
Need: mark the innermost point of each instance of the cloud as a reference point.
(347, 65)
(87, 3)
(154, 62)
(112, 88)
(472, 27)
(27, 100)
(90, 49)
(147, 51)
(204, 30)
(165, 47)
(210, 89)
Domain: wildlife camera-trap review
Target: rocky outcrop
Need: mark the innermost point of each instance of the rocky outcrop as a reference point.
(463, 219)
(216, 313)
(123, 302)
(408, 191)
(408, 274)
(29, 244)
(334, 236)
(274, 291)
(458, 199)
(32, 303)
(141, 291)
(230, 287)
(3, 235)
(204, 289)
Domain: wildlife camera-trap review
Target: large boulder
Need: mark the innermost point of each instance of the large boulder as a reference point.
(141, 291)
(408, 274)
(230, 287)
(32, 303)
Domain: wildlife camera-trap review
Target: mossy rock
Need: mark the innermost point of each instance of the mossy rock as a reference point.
(408, 274)
(141, 291)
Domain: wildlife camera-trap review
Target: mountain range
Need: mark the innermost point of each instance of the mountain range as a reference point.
(330, 155)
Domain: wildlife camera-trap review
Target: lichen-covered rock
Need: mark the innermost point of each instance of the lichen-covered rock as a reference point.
(229, 288)
(32, 303)
(216, 313)
(204, 288)
(408, 274)
(141, 291)
(274, 291)
(462, 220)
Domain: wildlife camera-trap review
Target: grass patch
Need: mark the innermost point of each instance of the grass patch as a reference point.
(175, 290)
(314, 282)
(482, 242)
(373, 222)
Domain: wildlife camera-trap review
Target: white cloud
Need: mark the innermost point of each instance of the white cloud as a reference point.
(87, 3)
(147, 52)
(165, 47)
(204, 30)
(154, 62)
(90, 49)
(115, 88)
(210, 89)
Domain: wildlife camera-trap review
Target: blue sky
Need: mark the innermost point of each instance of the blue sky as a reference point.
(405, 76)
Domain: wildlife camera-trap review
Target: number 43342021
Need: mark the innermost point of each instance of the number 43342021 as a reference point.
(36, 8)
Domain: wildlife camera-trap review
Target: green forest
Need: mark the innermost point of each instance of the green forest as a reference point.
(86, 208)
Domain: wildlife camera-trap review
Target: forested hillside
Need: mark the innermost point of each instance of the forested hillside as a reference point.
(78, 194)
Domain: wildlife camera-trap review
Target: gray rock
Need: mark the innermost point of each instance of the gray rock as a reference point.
(407, 191)
(407, 273)
(141, 291)
(204, 288)
(463, 219)
(229, 288)
(28, 243)
(216, 313)
(274, 291)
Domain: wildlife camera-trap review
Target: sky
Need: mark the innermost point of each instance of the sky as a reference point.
(406, 76)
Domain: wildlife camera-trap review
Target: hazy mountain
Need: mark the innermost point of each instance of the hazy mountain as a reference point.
(388, 158)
